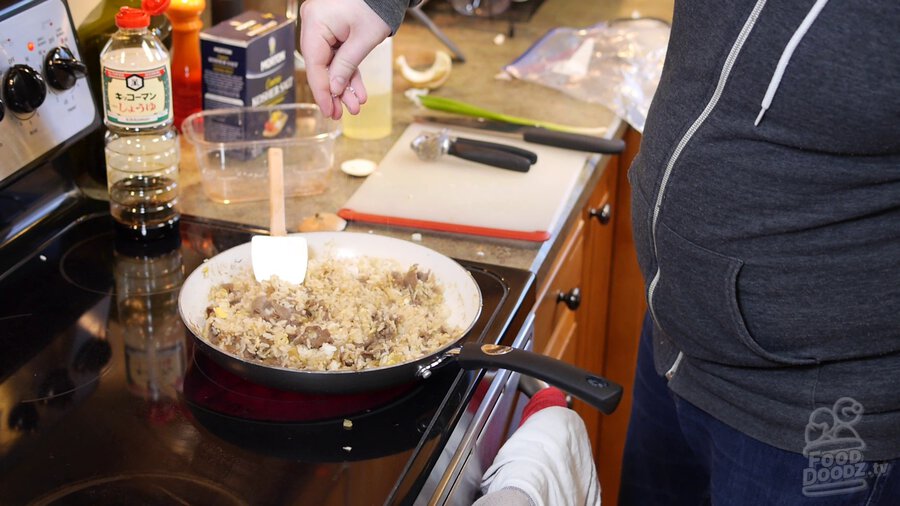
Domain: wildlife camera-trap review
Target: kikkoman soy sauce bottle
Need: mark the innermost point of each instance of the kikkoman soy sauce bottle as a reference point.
(142, 151)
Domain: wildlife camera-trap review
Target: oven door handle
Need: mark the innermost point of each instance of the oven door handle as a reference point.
(482, 415)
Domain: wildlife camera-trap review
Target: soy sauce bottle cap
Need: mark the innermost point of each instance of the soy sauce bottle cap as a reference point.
(129, 17)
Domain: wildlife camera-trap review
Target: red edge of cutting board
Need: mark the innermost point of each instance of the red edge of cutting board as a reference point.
(536, 236)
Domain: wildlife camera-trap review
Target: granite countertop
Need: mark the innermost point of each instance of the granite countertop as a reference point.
(474, 82)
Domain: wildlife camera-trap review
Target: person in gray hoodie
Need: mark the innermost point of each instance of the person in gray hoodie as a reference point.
(766, 217)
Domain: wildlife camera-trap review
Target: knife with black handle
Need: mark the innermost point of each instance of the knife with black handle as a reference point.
(535, 135)
(578, 142)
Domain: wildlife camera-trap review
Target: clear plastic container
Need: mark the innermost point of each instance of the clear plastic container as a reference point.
(231, 144)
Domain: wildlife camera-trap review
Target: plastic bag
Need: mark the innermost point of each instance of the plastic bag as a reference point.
(616, 64)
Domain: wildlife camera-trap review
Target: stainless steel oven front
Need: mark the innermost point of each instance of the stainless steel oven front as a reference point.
(456, 479)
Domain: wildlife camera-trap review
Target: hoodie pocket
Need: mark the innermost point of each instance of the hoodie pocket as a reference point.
(695, 304)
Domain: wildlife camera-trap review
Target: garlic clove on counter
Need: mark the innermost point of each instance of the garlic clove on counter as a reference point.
(323, 222)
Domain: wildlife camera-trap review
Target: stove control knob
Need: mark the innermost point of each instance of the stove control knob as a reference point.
(62, 69)
(24, 89)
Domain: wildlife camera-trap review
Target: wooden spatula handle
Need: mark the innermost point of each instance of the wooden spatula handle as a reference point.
(276, 193)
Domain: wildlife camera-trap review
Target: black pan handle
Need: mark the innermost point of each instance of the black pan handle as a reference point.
(492, 157)
(530, 155)
(595, 390)
(578, 142)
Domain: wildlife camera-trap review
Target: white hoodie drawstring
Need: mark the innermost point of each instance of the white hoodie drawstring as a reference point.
(786, 56)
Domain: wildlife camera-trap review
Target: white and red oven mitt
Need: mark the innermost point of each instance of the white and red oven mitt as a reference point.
(547, 461)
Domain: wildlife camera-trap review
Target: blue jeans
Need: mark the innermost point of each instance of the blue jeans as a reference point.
(677, 454)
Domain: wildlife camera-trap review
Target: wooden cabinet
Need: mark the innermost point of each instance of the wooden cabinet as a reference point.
(599, 216)
(626, 305)
(571, 309)
(554, 320)
(599, 333)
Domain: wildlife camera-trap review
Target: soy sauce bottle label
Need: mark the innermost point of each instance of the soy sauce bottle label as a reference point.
(137, 99)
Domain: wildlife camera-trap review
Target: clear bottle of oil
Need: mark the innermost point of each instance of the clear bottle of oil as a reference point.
(142, 149)
(374, 118)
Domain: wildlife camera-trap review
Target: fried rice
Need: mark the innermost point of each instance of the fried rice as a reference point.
(348, 314)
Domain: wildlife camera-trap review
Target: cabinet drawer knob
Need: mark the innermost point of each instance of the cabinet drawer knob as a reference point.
(603, 214)
(572, 298)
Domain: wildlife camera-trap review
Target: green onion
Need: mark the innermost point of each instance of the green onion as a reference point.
(465, 109)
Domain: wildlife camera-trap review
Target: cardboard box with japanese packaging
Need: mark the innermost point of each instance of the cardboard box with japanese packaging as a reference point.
(248, 61)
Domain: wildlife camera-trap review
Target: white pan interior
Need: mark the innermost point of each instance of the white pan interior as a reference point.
(461, 292)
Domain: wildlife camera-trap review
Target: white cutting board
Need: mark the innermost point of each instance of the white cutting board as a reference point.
(455, 195)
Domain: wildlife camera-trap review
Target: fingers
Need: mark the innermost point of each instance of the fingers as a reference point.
(337, 110)
(335, 36)
(348, 56)
(316, 59)
(359, 87)
(317, 40)
(350, 100)
(354, 94)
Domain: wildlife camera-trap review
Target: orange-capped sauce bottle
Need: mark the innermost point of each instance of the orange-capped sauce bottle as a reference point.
(186, 65)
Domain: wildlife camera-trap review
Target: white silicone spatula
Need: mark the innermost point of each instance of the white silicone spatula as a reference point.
(278, 254)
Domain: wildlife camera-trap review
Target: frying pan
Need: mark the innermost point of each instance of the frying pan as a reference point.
(461, 295)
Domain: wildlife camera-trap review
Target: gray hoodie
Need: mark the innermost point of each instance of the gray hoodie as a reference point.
(391, 11)
(766, 214)
(766, 208)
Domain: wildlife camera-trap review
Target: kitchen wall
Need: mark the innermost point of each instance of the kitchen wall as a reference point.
(81, 8)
